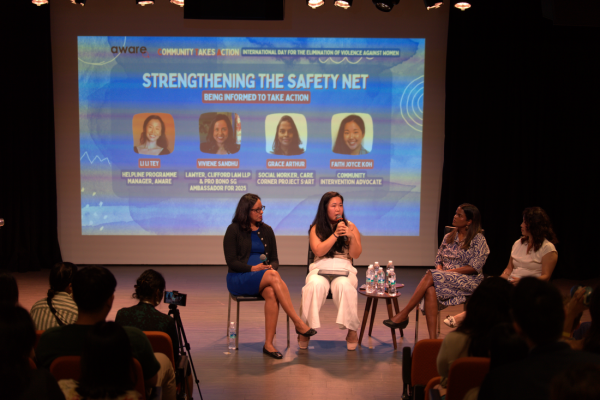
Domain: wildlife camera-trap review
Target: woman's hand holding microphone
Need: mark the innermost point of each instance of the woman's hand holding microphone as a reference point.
(260, 267)
(343, 230)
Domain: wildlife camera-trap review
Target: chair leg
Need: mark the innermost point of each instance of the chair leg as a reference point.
(288, 331)
(237, 326)
(417, 325)
(228, 315)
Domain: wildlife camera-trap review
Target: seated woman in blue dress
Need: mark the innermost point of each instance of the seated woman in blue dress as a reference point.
(246, 239)
(457, 273)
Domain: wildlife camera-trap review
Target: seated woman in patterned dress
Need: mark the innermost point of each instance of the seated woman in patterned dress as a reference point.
(457, 273)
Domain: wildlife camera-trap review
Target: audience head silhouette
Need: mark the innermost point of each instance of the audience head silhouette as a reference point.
(9, 291)
(93, 288)
(106, 363)
(538, 311)
(150, 286)
(489, 306)
(17, 335)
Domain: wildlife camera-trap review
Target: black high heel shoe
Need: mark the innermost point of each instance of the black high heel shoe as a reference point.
(310, 332)
(400, 325)
(275, 354)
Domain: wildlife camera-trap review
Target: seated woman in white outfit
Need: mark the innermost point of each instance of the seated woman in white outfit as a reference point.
(334, 244)
(533, 254)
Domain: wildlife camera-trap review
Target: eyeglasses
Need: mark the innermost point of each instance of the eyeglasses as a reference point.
(261, 209)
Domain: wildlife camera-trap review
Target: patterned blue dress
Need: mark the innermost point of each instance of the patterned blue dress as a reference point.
(451, 288)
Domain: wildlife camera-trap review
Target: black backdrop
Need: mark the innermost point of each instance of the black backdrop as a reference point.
(521, 96)
(29, 239)
(521, 99)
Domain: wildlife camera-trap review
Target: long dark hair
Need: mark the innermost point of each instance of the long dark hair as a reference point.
(506, 346)
(323, 227)
(106, 362)
(148, 284)
(472, 214)
(296, 141)
(61, 276)
(489, 306)
(591, 342)
(162, 140)
(340, 146)
(539, 225)
(9, 291)
(230, 143)
(242, 212)
(17, 335)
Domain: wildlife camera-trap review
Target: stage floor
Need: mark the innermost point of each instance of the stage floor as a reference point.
(326, 371)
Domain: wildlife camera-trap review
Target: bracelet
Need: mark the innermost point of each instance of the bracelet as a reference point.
(334, 235)
(566, 335)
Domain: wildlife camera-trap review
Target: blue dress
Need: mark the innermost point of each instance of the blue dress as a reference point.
(452, 288)
(248, 283)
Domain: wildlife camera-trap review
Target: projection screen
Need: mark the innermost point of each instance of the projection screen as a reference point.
(173, 129)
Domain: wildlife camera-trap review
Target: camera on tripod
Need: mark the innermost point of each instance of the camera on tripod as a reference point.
(176, 298)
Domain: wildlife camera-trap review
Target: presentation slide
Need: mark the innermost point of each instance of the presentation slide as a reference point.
(174, 130)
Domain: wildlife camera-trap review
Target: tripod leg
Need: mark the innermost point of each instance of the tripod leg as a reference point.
(185, 346)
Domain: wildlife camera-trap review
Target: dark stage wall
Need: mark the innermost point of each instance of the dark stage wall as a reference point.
(521, 95)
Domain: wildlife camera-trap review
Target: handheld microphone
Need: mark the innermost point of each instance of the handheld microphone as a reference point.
(339, 218)
(264, 259)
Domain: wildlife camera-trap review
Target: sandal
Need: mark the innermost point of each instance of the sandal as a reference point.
(450, 321)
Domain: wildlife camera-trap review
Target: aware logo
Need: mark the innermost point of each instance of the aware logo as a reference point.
(129, 50)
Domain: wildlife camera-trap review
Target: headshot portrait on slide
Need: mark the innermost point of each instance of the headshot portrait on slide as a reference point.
(285, 134)
(352, 134)
(220, 133)
(153, 134)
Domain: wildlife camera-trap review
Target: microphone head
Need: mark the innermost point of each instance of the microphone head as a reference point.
(338, 217)
(263, 258)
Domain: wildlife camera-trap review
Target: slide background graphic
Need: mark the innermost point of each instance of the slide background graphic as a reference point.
(111, 93)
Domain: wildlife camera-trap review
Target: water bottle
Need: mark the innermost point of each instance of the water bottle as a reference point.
(390, 266)
(232, 336)
(381, 281)
(392, 282)
(370, 279)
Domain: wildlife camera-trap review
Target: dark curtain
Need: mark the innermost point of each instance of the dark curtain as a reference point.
(29, 239)
(521, 95)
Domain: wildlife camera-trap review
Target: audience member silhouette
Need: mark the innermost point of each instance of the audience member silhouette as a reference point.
(17, 380)
(538, 314)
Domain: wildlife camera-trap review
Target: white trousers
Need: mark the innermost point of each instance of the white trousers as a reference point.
(343, 291)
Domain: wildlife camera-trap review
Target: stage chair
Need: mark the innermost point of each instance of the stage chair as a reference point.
(447, 230)
(69, 367)
(161, 343)
(238, 300)
(419, 367)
